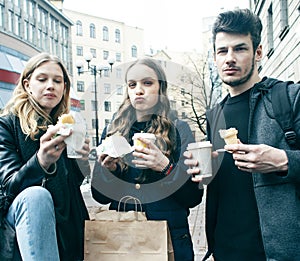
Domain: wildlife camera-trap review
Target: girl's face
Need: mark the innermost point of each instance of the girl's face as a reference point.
(46, 85)
(143, 89)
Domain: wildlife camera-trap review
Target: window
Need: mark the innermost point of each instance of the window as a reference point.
(94, 123)
(118, 57)
(182, 91)
(284, 19)
(107, 106)
(119, 90)
(1, 15)
(105, 33)
(119, 73)
(183, 115)
(82, 105)
(106, 72)
(79, 50)
(182, 103)
(94, 105)
(105, 55)
(17, 25)
(26, 30)
(92, 31)
(94, 141)
(118, 36)
(133, 51)
(106, 122)
(173, 105)
(31, 8)
(10, 21)
(270, 36)
(78, 28)
(107, 88)
(118, 104)
(80, 86)
(93, 52)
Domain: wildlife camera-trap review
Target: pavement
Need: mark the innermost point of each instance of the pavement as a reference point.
(87, 196)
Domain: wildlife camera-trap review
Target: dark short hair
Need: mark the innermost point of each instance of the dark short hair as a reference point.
(239, 21)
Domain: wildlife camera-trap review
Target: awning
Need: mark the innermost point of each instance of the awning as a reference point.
(11, 63)
(5, 95)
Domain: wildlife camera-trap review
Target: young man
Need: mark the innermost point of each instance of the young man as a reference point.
(253, 201)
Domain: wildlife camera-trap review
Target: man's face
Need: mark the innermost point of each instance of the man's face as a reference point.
(235, 58)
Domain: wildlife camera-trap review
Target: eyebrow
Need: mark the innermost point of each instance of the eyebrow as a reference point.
(235, 46)
(47, 74)
(143, 79)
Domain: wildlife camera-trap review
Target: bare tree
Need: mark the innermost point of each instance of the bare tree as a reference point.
(203, 89)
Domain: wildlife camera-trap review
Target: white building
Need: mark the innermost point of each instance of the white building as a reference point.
(28, 27)
(280, 38)
(111, 42)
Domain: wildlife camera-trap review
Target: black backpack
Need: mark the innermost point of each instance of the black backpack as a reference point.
(282, 108)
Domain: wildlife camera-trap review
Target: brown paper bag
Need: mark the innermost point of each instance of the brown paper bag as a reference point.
(126, 236)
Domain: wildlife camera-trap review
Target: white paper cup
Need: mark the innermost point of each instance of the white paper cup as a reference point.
(201, 151)
(75, 141)
(136, 142)
(149, 136)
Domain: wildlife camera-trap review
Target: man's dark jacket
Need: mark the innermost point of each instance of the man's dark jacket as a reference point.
(277, 194)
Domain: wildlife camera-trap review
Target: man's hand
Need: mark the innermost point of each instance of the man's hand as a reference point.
(258, 158)
(193, 165)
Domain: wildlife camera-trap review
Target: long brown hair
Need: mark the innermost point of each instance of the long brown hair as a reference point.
(32, 116)
(161, 124)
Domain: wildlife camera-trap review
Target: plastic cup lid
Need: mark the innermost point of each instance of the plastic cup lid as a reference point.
(144, 135)
(198, 145)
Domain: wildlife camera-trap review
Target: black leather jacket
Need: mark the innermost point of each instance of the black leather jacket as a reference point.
(20, 169)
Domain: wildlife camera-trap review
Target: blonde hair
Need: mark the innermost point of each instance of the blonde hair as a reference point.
(32, 117)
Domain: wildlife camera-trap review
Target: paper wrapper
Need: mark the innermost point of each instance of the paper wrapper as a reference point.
(76, 140)
(114, 146)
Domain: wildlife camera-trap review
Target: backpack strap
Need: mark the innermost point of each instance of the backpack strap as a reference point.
(283, 111)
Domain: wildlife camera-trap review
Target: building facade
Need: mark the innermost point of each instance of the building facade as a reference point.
(28, 27)
(280, 38)
(112, 46)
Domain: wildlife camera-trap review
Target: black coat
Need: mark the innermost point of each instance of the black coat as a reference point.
(164, 198)
(20, 169)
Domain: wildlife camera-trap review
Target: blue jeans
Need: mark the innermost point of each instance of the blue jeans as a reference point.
(32, 216)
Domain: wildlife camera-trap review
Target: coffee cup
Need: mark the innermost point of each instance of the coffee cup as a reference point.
(201, 151)
(149, 136)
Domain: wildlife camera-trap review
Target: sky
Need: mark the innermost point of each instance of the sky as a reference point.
(167, 24)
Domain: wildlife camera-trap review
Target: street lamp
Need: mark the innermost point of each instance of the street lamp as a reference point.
(94, 70)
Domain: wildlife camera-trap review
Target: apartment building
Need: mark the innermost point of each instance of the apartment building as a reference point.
(280, 38)
(112, 45)
(28, 27)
